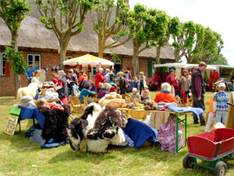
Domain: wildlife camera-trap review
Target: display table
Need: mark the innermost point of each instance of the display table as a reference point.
(32, 113)
(141, 112)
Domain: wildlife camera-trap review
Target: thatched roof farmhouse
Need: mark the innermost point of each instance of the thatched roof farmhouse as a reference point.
(40, 45)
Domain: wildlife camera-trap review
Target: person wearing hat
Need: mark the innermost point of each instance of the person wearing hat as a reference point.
(99, 78)
(198, 91)
(220, 106)
(135, 95)
(172, 81)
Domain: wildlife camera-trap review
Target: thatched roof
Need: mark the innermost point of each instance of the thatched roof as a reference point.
(33, 34)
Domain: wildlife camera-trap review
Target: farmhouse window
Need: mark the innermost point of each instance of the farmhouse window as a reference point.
(34, 60)
(94, 71)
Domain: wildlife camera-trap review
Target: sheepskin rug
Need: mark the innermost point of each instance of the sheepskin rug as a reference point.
(101, 126)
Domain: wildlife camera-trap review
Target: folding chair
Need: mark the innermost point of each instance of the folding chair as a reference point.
(77, 106)
(88, 100)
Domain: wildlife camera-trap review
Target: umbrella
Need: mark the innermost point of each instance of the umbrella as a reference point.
(88, 60)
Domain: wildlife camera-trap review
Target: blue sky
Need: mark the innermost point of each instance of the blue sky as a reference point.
(216, 14)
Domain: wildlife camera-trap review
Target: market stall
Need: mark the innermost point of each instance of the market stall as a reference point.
(211, 69)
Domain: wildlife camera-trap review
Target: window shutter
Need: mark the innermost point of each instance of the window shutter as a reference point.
(150, 70)
(7, 69)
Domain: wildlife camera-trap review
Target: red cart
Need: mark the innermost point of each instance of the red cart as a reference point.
(210, 146)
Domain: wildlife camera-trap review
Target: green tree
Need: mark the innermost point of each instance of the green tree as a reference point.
(142, 25)
(65, 18)
(207, 47)
(161, 32)
(109, 19)
(192, 53)
(183, 39)
(221, 60)
(13, 12)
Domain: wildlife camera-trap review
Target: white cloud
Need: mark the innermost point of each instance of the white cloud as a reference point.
(216, 14)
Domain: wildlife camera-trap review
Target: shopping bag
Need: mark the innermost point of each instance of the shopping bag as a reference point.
(167, 135)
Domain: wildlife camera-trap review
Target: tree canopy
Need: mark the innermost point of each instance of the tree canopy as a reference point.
(109, 19)
(65, 18)
(13, 12)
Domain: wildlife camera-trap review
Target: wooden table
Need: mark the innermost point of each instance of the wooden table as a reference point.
(128, 113)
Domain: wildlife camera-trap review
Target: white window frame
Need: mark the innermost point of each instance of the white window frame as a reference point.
(94, 71)
(2, 66)
(34, 55)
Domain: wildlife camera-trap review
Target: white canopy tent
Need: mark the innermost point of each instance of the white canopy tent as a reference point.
(182, 65)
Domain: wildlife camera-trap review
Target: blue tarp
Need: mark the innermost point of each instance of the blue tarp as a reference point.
(140, 132)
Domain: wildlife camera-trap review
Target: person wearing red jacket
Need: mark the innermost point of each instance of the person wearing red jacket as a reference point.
(99, 78)
(165, 94)
(82, 77)
(172, 80)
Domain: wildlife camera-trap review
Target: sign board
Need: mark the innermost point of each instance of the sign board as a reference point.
(13, 120)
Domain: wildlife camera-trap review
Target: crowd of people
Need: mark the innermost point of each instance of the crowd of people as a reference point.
(107, 81)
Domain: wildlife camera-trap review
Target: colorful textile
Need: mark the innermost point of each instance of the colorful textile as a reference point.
(210, 103)
(167, 135)
(102, 93)
(222, 99)
(197, 111)
(54, 106)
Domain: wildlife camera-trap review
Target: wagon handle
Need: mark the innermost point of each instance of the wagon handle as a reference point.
(230, 104)
(218, 149)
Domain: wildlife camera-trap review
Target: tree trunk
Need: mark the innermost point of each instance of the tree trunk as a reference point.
(135, 57)
(63, 49)
(17, 79)
(101, 46)
(158, 51)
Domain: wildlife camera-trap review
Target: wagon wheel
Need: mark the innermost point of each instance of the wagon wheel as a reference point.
(188, 162)
(220, 168)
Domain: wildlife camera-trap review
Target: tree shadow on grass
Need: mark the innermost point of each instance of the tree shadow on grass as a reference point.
(19, 142)
(82, 155)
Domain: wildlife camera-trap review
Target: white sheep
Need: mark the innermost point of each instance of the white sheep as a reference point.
(31, 89)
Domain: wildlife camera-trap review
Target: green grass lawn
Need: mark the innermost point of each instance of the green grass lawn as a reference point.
(20, 156)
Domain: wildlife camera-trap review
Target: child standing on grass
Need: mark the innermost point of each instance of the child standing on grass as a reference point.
(211, 113)
(122, 83)
(220, 106)
(145, 96)
(135, 82)
(135, 95)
